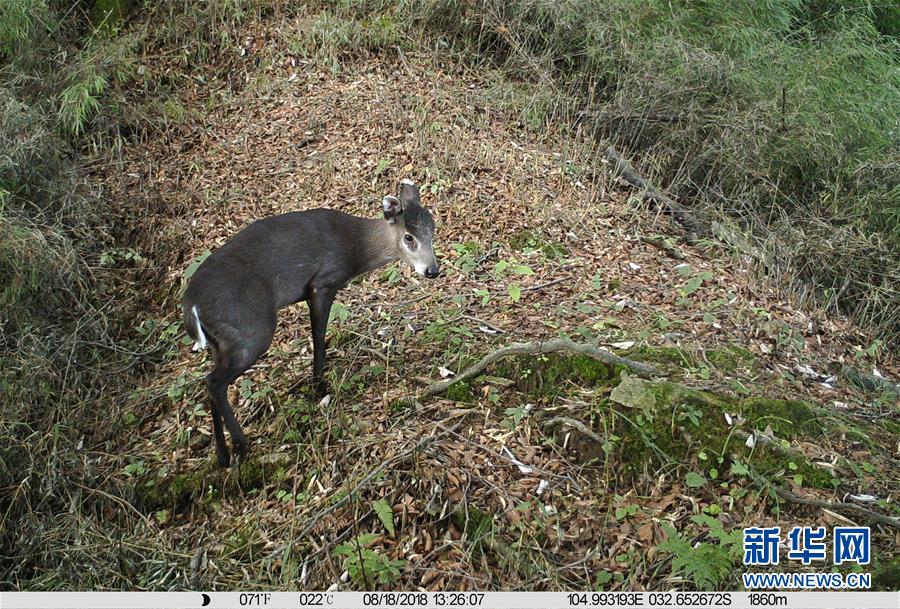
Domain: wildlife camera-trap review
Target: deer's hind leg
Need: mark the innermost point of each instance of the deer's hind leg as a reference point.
(231, 362)
(223, 457)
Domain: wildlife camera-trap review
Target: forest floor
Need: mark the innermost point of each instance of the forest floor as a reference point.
(541, 473)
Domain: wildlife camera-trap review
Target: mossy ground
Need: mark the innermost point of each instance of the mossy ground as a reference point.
(657, 425)
(788, 418)
(546, 376)
(677, 360)
(209, 482)
(677, 425)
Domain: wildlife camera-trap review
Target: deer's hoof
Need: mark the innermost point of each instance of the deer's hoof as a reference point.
(223, 458)
(321, 389)
(239, 452)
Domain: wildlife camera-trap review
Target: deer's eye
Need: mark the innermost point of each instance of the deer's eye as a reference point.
(408, 238)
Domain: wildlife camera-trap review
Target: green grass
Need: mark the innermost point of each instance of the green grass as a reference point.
(60, 340)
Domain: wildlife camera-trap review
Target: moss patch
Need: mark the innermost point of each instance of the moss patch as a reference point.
(661, 423)
(886, 575)
(788, 418)
(177, 491)
(675, 359)
(731, 358)
(548, 374)
(545, 375)
(460, 392)
(668, 357)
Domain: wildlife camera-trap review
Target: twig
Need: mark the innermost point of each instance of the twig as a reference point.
(534, 288)
(512, 461)
(792, 498)
(306, 142)
(118, 500)
(534, 348)
(627, 172)
(665, 247)
(486, 324)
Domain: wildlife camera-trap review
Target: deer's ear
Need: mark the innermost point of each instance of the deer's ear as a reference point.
(392, 207)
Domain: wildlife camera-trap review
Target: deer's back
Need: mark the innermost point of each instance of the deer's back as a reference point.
(275, 261)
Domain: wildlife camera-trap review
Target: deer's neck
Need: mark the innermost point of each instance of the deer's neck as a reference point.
(379, 245)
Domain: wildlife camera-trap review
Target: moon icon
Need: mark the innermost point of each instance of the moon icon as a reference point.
(206, 600)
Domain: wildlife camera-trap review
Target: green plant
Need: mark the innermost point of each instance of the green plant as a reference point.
(505, 267)
(126, 254)
(81, 97)
(365, 564)
(695, 280)
(136, 468)
(17, 22)
(626, 511)
(466, 256)
(705, 564)
(385, 514)
(339, 315)
(514, 415)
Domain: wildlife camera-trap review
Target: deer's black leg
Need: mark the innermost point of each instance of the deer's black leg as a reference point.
(218, 397)
(319, 308)
(230, 364)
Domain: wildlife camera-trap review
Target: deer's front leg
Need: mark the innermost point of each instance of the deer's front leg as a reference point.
(319, 309)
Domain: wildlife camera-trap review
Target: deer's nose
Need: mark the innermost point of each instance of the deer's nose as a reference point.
(432, 272)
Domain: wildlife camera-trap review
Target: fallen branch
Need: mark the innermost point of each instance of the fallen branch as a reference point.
(627, 172)
(670, 251)
(535, 348)
(790, 497)
(871, 515)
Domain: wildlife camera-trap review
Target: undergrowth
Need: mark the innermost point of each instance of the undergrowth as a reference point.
(68, 357)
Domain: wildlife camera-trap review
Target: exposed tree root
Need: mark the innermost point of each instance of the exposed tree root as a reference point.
(792, 498)
(534, 348)
(575, 424)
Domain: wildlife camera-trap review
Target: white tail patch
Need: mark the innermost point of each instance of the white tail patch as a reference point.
(201, 337)
(408, 182)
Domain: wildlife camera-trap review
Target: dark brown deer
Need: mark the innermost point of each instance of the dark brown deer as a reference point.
(231, 303)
